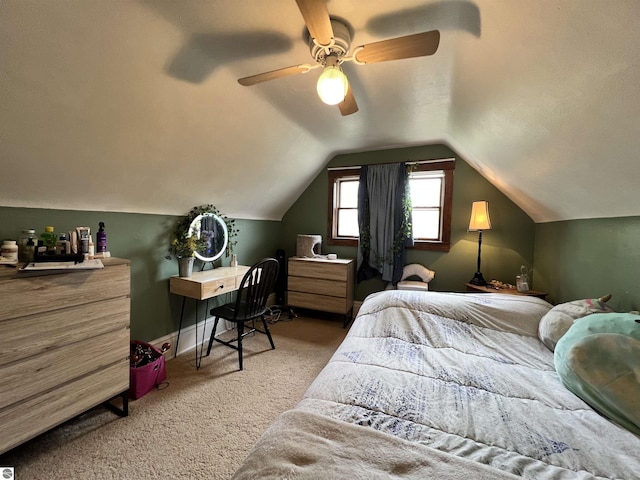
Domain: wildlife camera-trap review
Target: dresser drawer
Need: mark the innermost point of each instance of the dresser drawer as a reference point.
(39, 373)
(322, 287)
(37, 294)
(318, 269)
(35, 415)
(323, 303)
(30, 336)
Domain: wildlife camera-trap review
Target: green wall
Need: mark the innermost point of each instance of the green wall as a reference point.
(590, 258)
(573, 259)
(505, 248)
(143, 239)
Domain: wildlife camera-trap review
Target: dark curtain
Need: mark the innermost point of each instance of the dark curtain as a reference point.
(384, 219)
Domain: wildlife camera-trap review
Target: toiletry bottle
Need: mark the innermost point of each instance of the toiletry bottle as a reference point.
(9, 250)
(29, 250)
(49, 240)
(83, 239)
(63, 247)
(22, 244)
(101, 239)
(91, 248)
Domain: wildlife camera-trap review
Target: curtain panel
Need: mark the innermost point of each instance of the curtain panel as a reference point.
(384, 219)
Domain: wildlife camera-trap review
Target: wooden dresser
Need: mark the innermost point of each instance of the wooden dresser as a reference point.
(320, 284)
(65, 346)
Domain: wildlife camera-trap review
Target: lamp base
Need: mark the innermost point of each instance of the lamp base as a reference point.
(478, 279)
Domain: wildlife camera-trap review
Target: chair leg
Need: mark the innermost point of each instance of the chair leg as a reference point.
(266, 330)
(213, 333)
(240, 334)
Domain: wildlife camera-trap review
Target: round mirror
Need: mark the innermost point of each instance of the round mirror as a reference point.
(212, 231)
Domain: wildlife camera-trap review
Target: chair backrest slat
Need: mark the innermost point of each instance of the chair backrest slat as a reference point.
(255, 288)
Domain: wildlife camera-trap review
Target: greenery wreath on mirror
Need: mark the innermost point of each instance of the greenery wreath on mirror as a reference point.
(183, 245)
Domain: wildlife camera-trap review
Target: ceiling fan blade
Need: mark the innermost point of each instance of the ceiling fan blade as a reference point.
(316, 17)
(348, 105)
(417, 45)
(272, 75)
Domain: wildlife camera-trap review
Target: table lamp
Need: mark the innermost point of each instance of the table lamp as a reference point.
(479, 221)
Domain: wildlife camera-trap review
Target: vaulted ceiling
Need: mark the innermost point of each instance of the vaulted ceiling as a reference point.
(134, 106)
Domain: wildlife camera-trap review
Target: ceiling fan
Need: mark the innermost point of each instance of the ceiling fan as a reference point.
(330, 46)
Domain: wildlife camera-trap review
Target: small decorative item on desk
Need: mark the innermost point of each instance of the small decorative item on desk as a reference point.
(498, 285)
(308, 245)
(183, 247)
(522, 280)
(185, 266)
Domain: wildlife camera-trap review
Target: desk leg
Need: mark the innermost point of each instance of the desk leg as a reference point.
(204, 331)
(198, 361)
(175, 352)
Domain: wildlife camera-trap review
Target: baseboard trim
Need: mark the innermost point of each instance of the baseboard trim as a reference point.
(188, 335)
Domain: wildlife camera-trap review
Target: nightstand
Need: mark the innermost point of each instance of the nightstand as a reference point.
(321, 284)
(508, 291)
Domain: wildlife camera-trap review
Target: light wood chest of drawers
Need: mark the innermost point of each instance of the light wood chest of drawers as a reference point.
(65, 346)
(320, 284)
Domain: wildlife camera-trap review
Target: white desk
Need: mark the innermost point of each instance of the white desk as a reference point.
(203, 286)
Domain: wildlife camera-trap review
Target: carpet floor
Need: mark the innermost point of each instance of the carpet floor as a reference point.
(201, 426)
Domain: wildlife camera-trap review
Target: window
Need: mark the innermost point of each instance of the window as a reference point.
(431, 186)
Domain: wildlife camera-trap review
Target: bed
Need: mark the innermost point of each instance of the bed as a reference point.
(446, 386)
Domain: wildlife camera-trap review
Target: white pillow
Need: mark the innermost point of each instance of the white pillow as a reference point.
(560, 318)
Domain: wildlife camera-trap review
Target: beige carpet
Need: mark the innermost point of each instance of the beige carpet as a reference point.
(201, 426)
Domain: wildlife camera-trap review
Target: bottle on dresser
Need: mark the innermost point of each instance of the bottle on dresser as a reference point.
(63, 246)
(101, 239)
(23, 252)
(9, 250)
(48, 239)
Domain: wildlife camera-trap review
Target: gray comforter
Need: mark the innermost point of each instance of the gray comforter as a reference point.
(443, 385)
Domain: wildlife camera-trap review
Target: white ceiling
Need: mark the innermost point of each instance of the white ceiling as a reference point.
(133, 106)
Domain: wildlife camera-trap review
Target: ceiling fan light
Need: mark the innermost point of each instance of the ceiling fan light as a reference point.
(332, 85)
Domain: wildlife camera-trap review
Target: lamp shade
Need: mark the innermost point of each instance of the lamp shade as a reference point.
(480, 216)
(332, 85)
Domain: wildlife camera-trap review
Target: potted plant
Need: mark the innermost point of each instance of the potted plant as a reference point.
(182, 248)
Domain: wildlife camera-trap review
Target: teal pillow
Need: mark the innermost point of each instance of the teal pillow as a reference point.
(598, 359)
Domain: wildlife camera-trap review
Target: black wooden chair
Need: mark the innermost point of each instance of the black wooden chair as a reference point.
(249, 305)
